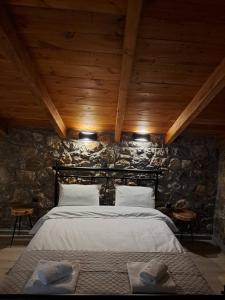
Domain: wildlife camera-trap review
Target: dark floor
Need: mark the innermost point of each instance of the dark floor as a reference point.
(203, 248)
(17, 242)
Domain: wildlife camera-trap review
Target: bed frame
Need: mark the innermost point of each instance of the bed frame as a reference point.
(106, 176)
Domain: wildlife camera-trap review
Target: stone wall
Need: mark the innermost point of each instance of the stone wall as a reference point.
(219, 220)
(27, 157)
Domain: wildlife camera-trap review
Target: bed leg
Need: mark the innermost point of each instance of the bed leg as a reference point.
(14, 229)
(191, 230)
(29, 218)
(19, 224)
(181, 231)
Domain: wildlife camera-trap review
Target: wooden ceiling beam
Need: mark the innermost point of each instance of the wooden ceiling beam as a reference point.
(17, 53)
(3, 127)
(209, 90)
(130, 38)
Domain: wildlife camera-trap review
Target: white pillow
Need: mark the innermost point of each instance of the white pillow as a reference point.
(135, 196)
(79, 194)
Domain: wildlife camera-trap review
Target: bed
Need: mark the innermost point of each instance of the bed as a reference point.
(103, 238)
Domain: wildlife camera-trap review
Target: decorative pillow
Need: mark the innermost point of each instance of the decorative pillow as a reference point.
(135, 196)
(79, 194)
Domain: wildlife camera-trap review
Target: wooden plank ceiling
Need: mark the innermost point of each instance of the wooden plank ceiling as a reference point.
(78, 49)
(179, 45)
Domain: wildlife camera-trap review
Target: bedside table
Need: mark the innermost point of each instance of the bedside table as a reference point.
(19, 212)
(185, 219)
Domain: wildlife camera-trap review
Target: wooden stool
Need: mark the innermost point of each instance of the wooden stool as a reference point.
(19, 212)
(185, 218)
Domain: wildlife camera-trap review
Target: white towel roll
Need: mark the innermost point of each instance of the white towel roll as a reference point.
(153, 272)
(51, 271)
(66, 285)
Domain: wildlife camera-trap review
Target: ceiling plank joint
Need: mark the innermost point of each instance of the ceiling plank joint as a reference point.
(16, 52)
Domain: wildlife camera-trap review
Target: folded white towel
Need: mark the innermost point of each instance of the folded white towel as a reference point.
(153, 271)
(165, 286)
(50, 271)
(65, 285)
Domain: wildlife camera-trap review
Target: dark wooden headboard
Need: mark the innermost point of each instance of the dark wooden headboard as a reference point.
(105, 176)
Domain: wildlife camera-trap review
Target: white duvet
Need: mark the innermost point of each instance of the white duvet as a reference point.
(105, 228)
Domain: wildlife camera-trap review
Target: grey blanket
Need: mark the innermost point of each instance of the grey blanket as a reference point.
(106, 272)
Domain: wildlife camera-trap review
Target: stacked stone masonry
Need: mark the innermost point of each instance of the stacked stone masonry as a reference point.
(190, 168)
(219, 217)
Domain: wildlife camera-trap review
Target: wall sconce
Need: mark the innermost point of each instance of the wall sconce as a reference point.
(87, 136)
(141, 137)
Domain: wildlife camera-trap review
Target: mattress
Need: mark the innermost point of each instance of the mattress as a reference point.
(105, 228)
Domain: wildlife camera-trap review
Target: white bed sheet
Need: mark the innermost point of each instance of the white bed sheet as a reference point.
(105, 228)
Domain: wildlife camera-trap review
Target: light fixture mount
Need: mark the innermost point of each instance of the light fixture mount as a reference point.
(141, 137)
(87, 136)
